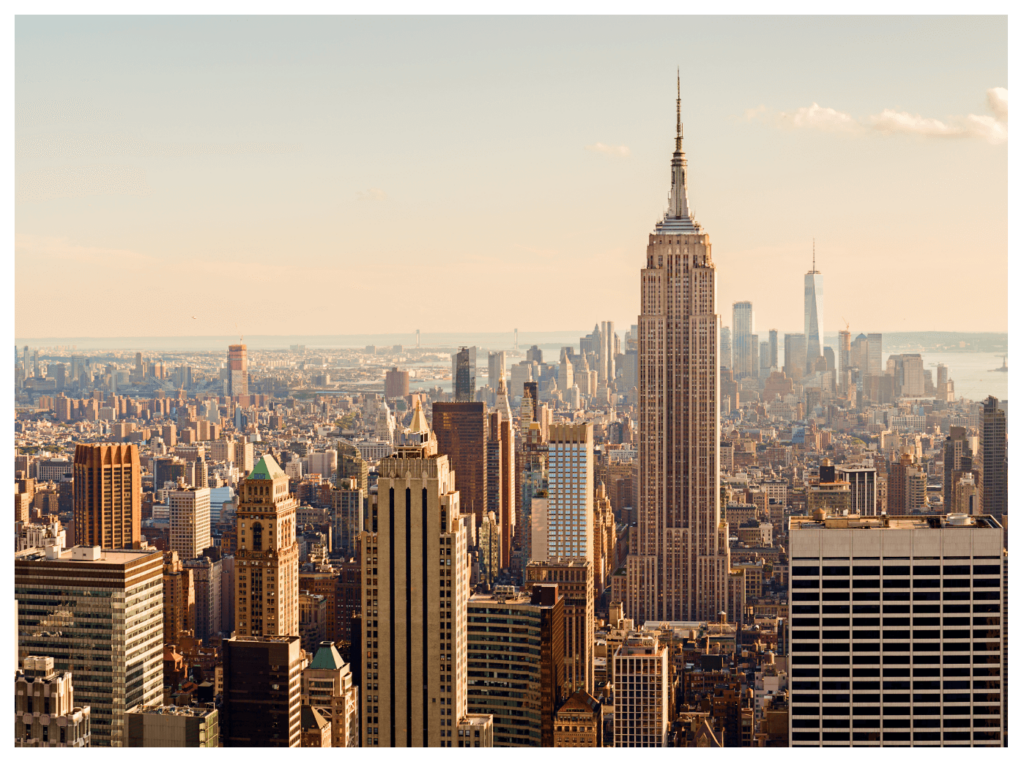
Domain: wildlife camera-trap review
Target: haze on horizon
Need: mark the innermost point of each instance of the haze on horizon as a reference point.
(307, 176)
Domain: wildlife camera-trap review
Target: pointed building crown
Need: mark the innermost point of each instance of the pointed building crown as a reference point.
(678, 220)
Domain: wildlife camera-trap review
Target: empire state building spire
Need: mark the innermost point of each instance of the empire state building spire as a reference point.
(677, 218)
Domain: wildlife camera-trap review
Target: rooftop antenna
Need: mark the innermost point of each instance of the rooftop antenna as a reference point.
(814, 257)
(679, 118)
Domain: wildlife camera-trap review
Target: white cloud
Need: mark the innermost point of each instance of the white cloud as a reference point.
(373, 194)
(891, 122)
(620, 152)
(820, 118)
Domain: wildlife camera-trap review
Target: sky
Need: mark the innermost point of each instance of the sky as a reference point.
(181, 176)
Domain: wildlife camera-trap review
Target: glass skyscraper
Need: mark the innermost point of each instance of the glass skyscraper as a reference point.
(814, 315)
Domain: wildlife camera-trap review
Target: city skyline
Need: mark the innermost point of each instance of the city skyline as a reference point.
(837, 155)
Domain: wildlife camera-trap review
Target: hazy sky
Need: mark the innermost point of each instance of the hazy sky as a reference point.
(365, 175)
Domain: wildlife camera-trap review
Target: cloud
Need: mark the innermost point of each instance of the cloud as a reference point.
(621, 152)
(817, 117)
(991, 128)
(373, 194)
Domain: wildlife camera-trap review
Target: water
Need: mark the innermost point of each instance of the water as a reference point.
(970, 373)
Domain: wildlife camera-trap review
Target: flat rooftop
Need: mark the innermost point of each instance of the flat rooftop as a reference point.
(122, 556)
(853, 521)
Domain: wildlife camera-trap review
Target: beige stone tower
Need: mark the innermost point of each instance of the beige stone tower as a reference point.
(415, 593)
(267, 559)
(678, 569)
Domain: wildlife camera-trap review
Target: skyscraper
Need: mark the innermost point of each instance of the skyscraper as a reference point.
(956, 462)
(461, 431)
(932, 673)
(99, 614)
(680, 566)
(992, 444)
(108, 495)
(262, 691)
(814, 314)
(570, 502)
(643, 692)
(238, 370)
(415, 591)
(190, 521)
(742, 331)
(773, 349)
(843, 361)
(464, 378)
(495, 368)
(267, 558)
(726, 348)
(796, 355)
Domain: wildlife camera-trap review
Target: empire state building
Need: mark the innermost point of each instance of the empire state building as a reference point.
(679, 558)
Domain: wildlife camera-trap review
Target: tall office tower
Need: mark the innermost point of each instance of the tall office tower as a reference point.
(992, 449)
(1013, 578)
(415, 590)
(461, 432)
(570, 501)
(516, 663)
(725, 348)
(45, 714)
(814, 315)
(99, 614)
(773, 349)
(956, 457)
(642, 692)
(565, 374)
(262, 691)
(346, 516)
(190, 521)
(575, 580)
(608, 346)
(108, 495)
(501, 432)
(680, 567)
(931, 674)
(796, 355)
(202, 476)
(267, 557)
(535, 354)
(742, 330)
(179, 600)
(897, 498)
(873, 355)
(843, 361)
(533, 481)
(138, 361)
(908, 374)
(327, 685)
(764, 360)
(238, 370)
(207, 574)
(464, 374)
(495, 368)
(396, 384)
(863, 487)
(352, 466)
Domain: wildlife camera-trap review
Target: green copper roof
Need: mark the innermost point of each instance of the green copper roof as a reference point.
(267, 468)
(327, 657)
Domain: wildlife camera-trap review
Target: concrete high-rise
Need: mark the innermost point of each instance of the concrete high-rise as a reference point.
(414, 597)
(107, 495)
(238, 370)
(267, 558)
(642, 692)
(99, 614)
(725, 359)
(679, 568)
(190, 521)
(992, 451)
(796, 355)
(461, 432)
(742, 341)
(570, 500)
(516, 667)
(262, 691)
(495, 368)
(863, 487)
(956, 461)
(814, 315)
(773, 349)
(575, 580)
(927, 674)
(396, 384)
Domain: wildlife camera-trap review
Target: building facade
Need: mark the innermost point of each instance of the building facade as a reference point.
(108, 495)
(262, 691)
(267, 558)
(896, 631)
(679, 568)
(99, 615)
